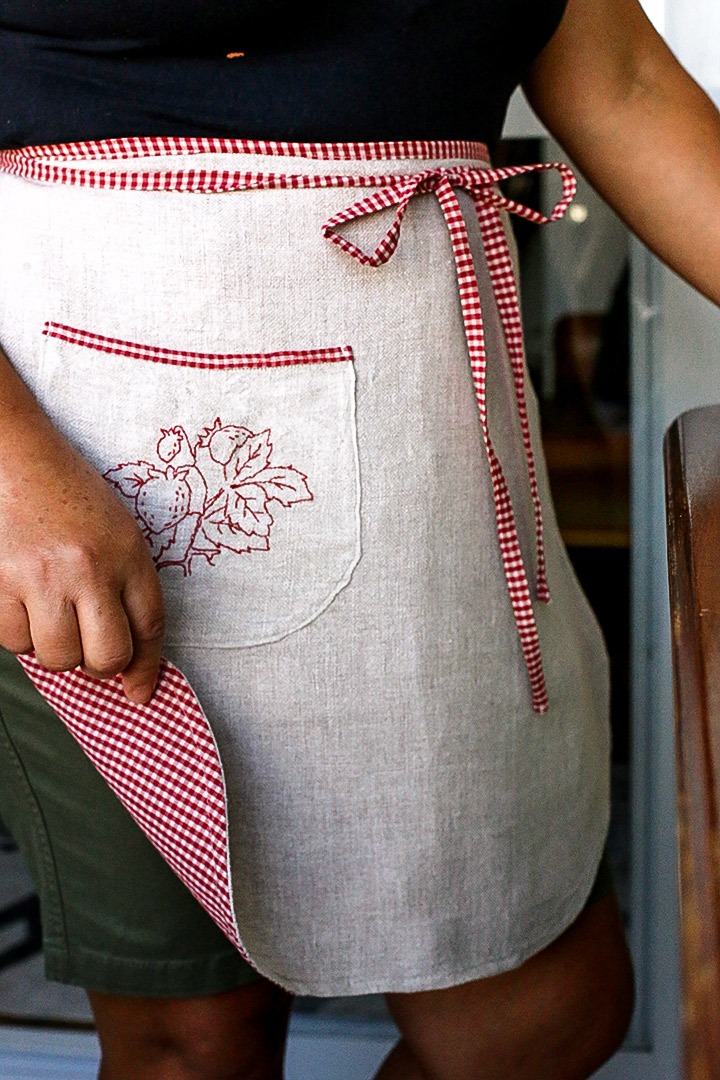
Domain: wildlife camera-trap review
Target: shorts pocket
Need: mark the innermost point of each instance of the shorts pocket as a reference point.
(241, 470)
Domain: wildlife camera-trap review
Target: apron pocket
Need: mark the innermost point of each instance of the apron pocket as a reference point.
(241, 469)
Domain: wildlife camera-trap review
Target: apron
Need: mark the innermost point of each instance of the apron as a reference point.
(314, 401)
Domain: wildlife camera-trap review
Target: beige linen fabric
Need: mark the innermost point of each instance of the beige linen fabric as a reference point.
(185, 433)
(400, 819)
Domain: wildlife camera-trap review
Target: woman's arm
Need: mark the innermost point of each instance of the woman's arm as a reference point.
(640, 129)
(77, 582)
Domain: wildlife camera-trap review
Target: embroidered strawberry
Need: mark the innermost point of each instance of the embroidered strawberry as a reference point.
(225, 441)
(216, 496)
(174, 445)
(163, 500)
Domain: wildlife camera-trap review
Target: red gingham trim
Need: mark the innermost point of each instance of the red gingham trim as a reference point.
(162, 762)
(181, 358)
(168, 146)
(194, 181)
(502, 276)
(518, 585)
(39, 163)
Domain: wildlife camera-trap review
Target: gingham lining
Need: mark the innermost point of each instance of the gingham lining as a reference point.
(162, 762)
(181, 358)
(39, 164)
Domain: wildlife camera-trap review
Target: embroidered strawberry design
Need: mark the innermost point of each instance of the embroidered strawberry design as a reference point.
(224, 441)
(173, 445)
(213, 495)
(163, 500)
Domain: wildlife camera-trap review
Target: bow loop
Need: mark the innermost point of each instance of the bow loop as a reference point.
(400, 190)
(482, 184)
(399, 193)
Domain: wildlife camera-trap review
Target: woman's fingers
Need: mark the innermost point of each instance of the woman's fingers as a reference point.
(14, 626)
(73, 558)
(143, 603)
(54, 631)
(104, 629)
(107, 645)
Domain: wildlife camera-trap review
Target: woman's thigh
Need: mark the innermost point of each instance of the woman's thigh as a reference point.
(557, 1017)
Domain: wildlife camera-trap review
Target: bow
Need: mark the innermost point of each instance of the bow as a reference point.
(489, 201)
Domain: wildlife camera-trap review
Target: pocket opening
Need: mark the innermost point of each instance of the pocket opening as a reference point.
(185, 358)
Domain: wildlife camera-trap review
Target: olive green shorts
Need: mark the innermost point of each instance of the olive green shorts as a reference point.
(115, 918)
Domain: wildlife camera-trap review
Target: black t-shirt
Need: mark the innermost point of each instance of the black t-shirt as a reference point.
(329, 70)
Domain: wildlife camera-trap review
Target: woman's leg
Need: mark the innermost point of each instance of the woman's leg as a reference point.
(236, 1035)
(557, 1017)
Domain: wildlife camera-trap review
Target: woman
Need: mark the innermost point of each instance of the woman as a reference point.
(537, 982)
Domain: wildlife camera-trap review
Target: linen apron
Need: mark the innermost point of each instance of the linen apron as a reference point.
(378, 751)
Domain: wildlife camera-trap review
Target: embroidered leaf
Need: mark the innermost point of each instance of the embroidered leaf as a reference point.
(209, 555)
(252, 458)
(207, 433)
(285, 484)
(205, 547)
(160, 543)
(233, 538)
(216, 505)
(245, 509)
(131, 476)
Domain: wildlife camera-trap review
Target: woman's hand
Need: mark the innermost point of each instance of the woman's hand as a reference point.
(77, 581)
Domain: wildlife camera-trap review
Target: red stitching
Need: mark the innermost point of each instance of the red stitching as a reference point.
(182, 358)
(208, 496)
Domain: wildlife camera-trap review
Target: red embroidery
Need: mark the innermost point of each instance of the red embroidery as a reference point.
(210, 495)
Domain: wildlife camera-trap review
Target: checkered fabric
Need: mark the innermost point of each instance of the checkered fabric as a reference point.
(206, 361)
(22, 161)
(162, 762)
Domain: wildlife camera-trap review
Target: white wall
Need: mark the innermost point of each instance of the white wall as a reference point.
(693, 32)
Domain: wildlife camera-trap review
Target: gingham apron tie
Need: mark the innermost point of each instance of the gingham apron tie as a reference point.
(489, 201)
